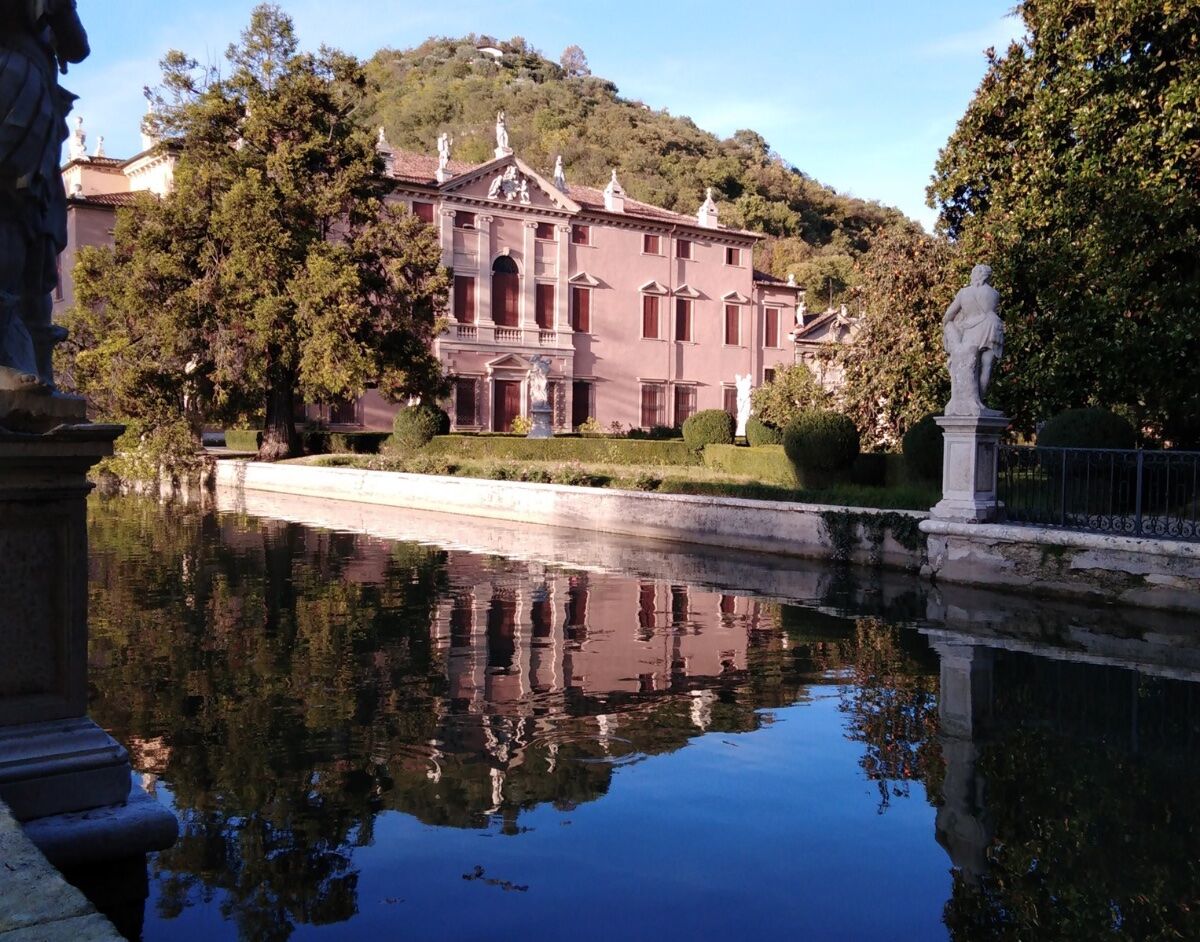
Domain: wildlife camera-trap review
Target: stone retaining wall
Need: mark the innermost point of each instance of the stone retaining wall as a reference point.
(1151, 573)
(759, 526)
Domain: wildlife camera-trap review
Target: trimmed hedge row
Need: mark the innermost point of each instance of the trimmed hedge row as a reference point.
(766, 463)
(313, 443)
(586, 450)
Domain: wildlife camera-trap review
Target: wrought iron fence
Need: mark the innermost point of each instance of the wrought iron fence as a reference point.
(1126, 492)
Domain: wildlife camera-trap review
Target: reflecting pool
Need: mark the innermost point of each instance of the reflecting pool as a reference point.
(380, 724)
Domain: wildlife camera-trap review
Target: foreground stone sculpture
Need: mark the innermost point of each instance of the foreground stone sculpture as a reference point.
(743, 400)
(53, 759)
(540, 410)
(973, 335)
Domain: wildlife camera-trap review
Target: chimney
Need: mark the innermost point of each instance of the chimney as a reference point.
(614, 196)
(707, 214)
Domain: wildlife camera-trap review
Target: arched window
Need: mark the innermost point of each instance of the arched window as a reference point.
(506, 290)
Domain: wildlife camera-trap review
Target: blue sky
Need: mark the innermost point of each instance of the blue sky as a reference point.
(860, 94)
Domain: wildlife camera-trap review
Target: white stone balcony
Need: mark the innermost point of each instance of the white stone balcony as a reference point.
(492, 335)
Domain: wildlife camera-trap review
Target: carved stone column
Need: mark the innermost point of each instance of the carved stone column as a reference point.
(54, 761)
(446, 234)
(969, 465)
(528, 318)
(483, 285)
(562, 294)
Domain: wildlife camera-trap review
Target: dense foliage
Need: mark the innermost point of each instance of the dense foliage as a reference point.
(414, 427)
(273, 270)
(759, 433)
(449, 85)
(1087, 428)
(821, 441)
(895, 371)
(922, 445)
(1075, 173)
(709, 427)
(793, 390)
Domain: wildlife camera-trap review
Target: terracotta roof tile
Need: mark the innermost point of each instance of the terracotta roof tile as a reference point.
(108, 199)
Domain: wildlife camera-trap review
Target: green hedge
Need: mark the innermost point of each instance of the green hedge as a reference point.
(766, 463)
(709, 427)
(1087, 428)
(313, 443)
(759, 433)
(587, 450)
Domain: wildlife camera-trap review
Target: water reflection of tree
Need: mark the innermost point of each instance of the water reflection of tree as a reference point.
(1091, 791)
(891, 707)
(287, 697)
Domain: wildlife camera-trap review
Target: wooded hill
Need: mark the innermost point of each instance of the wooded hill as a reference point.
(664, 159)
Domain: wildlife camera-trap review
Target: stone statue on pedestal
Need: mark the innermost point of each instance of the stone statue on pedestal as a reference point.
(38, 38)
(502, 148)
(974, 339)
(541, 425)
(560, 175)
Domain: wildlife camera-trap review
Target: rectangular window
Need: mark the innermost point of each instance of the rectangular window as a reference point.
(768, 375)
(733, 325)
(683, 248)
(650, 318)
(729, 399)
(685, 403)
(544, 309)
(654, 405)
(733, 256)
(464, 402)
(581, 309)
(581, 235)
(581, 402)
(463, 220)
(651, 244)
(424, 212)
(683, 319)
(545, 231)
(464, 299)
(771, 330)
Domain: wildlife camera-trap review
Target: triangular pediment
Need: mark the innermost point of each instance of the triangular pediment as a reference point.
(509, 181)
(583, 278)
(653, 287)
(735, 297)
(686, 291)
(508, 361)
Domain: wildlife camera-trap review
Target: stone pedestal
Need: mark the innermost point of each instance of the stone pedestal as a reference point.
(541, 425)
(53, 759)
(503, 151)
(971, 444)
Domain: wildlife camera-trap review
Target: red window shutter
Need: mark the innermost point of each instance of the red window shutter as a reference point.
(649, 317)
(581, 309)
(544, 313)
(423, 211)
(683, 319)
(545, 231)
(464, 299)
(732, 325)
(772, 331)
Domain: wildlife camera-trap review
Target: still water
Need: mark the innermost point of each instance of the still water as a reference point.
(439, 728)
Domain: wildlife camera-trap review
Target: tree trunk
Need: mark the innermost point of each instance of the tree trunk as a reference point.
(279, 439)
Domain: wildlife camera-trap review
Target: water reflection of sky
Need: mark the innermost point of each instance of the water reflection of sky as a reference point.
(366, 737)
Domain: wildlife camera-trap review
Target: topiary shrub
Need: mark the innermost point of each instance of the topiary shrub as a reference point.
(709, 427)
(759, 433)
(658, 433)
(821, 446)
(1092, 427)
(922, 446)
(414, 427)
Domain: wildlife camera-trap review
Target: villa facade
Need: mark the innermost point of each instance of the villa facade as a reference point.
(646, 315)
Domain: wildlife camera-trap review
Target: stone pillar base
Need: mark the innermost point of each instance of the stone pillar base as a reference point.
(541, 426)
(971, 443)
(60, 766)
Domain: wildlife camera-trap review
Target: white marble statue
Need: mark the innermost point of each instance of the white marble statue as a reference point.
(443, 144)
(501, 134)
(801, 313)
(77, 145)
(743, 400)
(523, 192)
(99, 152)
(539, 383)
(560, 175)
(509, 185)
(974, 339)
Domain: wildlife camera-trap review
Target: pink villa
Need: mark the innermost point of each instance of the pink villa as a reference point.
(647, 315)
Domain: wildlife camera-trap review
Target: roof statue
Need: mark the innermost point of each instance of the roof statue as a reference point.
(801, 313)
(510, 185)
(560, 175)
(381, 140)
(99, 152)
(706, 216)
(444, 142)
(502, 148)
(974, 339)
(77, 144)
(38, 41)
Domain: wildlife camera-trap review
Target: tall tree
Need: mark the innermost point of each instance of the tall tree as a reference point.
(895, 370)
(1075, 173)
(275, 269)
